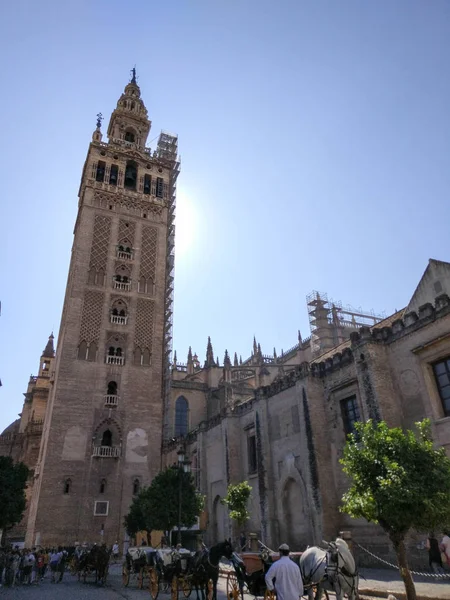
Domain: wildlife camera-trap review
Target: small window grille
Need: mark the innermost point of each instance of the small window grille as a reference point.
(350, 414)
(442, 375)
(101, 508)
(251, 454)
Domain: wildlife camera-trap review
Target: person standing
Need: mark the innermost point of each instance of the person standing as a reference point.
(445, 545)
(284, 576)
(434, 554)
(115, 551)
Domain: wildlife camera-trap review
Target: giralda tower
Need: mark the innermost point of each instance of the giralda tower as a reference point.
(104, 422)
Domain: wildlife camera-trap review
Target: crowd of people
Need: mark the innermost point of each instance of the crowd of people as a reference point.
(30, 566)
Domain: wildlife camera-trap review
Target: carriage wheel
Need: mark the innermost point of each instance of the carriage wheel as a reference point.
(187, 587)
(232, 587)
(209, 589)
(153, 585)
(125, 575)
(174, 588)
(269, 595)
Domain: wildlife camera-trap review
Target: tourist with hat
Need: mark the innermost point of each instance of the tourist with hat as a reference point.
(284, 577)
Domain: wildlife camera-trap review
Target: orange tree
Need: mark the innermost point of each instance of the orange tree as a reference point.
(399, 480)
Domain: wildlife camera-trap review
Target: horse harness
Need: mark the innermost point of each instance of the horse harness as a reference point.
(332, 570)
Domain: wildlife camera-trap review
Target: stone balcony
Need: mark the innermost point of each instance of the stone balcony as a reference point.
(115, 360)
(118, 320)
(125, 286)
(111, 400)
(106, 451)
(124, 255)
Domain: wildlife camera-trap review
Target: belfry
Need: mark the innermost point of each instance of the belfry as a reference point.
(102, 433)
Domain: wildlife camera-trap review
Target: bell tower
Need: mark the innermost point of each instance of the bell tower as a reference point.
(103, 427)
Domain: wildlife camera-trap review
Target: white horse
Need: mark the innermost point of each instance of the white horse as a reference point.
(332, 569)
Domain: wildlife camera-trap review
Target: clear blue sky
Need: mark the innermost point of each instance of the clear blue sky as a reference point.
(315, 143)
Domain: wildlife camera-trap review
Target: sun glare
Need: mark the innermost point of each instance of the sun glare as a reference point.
(185, 224)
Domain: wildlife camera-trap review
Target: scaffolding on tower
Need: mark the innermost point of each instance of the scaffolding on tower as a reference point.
(167, 152)
(331, 322)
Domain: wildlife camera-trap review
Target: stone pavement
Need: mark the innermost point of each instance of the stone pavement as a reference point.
(382, 582)
(377, 582)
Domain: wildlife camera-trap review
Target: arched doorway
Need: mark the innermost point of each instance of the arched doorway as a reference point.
(218, 529)
(295, 522)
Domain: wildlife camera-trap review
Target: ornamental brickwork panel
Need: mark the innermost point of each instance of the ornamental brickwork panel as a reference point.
(143, 333)
(91, 316)
(100, 242)
(148, 253)
(126, 231)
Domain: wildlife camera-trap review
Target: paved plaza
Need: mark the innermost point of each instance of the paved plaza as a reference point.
(376, 582)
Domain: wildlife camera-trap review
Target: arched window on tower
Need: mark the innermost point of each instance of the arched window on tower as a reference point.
(130, 136)
(102, 486)
(112, 388)
(67, 486)
(181, 416)
(107, 438)
(131, 175)
(147, 183)
(113, 175)
(92, 351)
(146, 357)
(82, 350)
(100, 175)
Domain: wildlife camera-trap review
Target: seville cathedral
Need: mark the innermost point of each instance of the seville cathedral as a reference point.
(112, 406)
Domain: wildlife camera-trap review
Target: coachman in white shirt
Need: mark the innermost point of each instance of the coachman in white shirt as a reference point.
(284, 576)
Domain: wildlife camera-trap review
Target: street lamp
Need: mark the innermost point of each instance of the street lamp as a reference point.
(184, 466)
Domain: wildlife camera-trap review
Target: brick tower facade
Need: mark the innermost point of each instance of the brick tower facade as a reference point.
(102, 432)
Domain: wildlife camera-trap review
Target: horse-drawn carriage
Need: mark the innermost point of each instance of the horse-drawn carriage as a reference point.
(176, 569)
(93, 561)
(330, 568)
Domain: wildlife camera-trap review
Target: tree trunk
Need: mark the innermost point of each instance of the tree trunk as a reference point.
(400, 550)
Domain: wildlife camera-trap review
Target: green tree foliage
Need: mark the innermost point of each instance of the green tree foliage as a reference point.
(236, 501)
(156, 506)
(13, 481)
(399, 480)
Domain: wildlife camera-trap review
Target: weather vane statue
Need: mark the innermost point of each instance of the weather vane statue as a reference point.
(99, 120)
(133, 74)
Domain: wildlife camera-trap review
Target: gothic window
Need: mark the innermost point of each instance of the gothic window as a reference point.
(119, 351)
(251, 454)
(181, 416)
(442, 375)
(350, 414)
(119, 309)
(136, 486)
(67, 486)
(129, 136)
(100, 175)
(100, 279)
(146, 357)
(92, 351)
(147, 184)
(131, 175)
(113, 175)
(92, 276)
(107, 438)
(102, 486)
(159, 187)
(142, 285)
(137, 356)
(112, 388)
(82, 350)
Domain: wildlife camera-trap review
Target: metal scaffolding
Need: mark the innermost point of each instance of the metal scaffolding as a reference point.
(331, 322)
(167, 152)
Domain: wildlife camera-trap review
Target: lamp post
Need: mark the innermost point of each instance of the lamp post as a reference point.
(184, 466)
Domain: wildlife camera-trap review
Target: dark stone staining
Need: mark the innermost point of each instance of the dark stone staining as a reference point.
(311, 452)
(227, 459)
(261, 477)
(371, 401)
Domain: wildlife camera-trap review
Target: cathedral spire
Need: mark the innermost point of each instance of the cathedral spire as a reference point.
(226, 360)
(189, 359)
(255, 346)
(49, 350)
(209, 362)
(236, 362)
